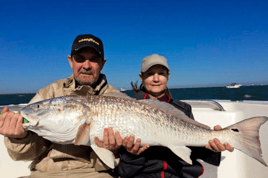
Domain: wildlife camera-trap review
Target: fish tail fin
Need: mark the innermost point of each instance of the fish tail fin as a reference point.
(247, 137)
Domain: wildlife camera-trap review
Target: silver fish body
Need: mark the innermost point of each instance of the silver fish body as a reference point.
(77, 120)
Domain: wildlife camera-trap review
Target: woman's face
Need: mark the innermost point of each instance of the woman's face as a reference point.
(155, 80)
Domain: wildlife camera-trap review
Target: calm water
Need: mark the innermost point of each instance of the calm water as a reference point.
(259, 93)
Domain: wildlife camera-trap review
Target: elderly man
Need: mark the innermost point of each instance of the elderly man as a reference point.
(54, 160)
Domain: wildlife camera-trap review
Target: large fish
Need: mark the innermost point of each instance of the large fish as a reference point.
(77, 120)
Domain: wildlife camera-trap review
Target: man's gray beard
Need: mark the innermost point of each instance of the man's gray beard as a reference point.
(85, 83)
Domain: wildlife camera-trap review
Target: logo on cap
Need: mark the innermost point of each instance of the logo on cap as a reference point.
(88, 39)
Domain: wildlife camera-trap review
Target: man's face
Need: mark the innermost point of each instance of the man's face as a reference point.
(86, 66)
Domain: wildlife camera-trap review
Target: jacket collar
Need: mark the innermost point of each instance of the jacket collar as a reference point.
(141, 94)
(70, 87)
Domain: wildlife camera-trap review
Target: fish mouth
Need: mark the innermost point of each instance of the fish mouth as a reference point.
(32, 120)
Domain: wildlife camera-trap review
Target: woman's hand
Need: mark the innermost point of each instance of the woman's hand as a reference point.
(216, 146)
(132, 148)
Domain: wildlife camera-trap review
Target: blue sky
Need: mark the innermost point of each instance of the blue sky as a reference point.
(206, 43)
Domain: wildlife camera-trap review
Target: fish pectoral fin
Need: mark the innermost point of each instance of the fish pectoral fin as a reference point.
(83, 136)
(105, 155)
(183, 152)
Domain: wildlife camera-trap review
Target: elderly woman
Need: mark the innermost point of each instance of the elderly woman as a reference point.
(157, 161)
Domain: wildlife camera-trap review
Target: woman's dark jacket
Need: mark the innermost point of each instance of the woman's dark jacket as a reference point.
(161, 162)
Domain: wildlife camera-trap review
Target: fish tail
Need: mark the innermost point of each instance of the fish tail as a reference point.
(246, 134)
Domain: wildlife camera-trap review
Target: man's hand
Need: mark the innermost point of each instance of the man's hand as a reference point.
(11, 124)
(135, 149)
(111, 141)
(216, 146)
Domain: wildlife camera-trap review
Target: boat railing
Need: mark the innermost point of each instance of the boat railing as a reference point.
(210, 104)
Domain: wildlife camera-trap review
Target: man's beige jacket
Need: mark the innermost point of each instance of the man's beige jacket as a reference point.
(51, 157)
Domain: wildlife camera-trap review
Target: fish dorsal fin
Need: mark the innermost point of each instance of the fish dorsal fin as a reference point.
(164, 106)
(170, 109)
(183, 152)
(105, 155)
(117, 94)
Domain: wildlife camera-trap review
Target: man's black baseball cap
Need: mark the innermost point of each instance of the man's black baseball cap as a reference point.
(87, 41)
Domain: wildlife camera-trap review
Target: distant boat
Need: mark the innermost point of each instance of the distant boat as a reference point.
(122, 89)
(233, 85)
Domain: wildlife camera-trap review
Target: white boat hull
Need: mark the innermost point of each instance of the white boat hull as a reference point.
(233, 86)
(235, 164)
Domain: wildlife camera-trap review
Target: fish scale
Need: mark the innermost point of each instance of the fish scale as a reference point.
(122, 118)
(144, 121)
